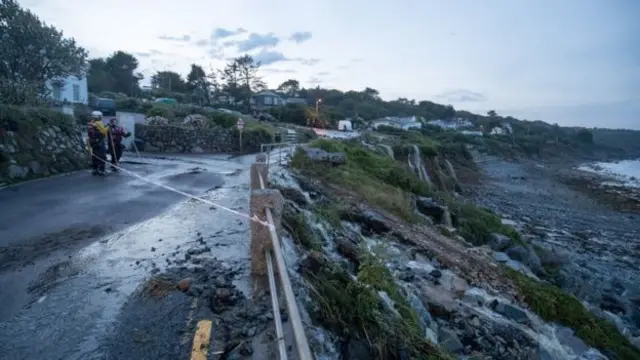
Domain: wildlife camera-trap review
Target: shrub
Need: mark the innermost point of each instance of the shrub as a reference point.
(28, 119)
(161, 110)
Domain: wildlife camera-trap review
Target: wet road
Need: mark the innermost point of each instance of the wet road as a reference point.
(73, 248)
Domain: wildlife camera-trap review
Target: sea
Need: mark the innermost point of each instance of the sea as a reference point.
(625, 173)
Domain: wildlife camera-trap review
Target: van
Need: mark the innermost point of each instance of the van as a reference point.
(106, 106)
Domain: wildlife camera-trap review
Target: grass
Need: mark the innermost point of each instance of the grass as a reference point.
(352, 309)
(477, 223)
(554, 305)
(301, 231)
(380, 180)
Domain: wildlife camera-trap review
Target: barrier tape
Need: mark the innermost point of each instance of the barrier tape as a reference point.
(166, 187)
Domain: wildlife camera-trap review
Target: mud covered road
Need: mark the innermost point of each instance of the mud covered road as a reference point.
(75, 248)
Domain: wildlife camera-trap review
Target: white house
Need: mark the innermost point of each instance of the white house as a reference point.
(345, 125)
(453, 124)
(72, 89)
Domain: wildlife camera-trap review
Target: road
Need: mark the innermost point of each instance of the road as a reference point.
(74, 248)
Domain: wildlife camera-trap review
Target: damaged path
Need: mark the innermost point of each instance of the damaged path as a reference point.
(76, 293)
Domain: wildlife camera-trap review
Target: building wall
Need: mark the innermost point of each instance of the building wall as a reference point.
(73, 90)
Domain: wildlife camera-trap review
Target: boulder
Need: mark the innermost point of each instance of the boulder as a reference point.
(429, 207)
(509, 311)
(449, 340)
(371, 220)
(319, 155)
(349, 249)
(499, 242)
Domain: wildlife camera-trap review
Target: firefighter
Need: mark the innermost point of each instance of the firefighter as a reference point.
(97, 134)
(114, 142)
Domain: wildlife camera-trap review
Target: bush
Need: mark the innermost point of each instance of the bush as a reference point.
(477, 223)
(161, 110)
(23, 119)
(82, 113)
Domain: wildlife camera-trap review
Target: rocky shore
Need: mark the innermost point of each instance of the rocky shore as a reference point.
(572, 213)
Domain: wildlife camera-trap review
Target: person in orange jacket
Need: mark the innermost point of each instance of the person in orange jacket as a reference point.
(114, 142)
(97, 133)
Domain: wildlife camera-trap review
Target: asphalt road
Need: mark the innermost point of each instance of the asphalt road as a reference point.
(74, 247)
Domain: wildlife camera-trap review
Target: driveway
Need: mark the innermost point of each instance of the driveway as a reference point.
(74, 247)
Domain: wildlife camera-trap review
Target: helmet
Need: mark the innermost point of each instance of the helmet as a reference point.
(96, 115)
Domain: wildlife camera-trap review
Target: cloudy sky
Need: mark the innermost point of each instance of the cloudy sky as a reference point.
(574, 62)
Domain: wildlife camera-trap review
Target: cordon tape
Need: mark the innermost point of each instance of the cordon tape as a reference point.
(251, 218)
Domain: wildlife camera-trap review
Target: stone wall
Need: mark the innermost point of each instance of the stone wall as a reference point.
(42, 151)
(177, 139)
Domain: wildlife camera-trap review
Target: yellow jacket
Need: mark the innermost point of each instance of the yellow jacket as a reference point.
(98, 125)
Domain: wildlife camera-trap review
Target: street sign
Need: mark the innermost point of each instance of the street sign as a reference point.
(240, 124)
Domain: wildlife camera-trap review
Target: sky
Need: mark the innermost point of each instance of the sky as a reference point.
(571, 62)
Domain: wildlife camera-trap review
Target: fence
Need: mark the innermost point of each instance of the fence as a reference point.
(266, 205)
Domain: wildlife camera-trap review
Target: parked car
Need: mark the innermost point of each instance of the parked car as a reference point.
(106, 106)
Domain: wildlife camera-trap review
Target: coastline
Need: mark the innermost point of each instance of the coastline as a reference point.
(569, 211)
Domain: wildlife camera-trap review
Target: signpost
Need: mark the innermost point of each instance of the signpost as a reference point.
(240, 126)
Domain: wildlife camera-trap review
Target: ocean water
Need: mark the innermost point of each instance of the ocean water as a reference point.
(626, 172)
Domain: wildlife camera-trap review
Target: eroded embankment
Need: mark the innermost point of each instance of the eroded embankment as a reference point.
(388, 278)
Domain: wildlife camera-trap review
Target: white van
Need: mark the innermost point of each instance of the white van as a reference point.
(345, 125)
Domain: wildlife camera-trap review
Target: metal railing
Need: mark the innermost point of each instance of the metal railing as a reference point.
(302, 345)
(268, 148)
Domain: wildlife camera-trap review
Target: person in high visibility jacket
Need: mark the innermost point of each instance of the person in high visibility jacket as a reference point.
(97, 134)
(114, 141)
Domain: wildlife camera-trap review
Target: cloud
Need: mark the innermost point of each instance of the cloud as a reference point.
(257, 41)
(461, 95)
(280, 71)
(220, 33)
(266, 57)
(301, 36)
(323, 73)
(202, 43)
(314, 80)
(307, 61)
(183, 38)
(148, 53)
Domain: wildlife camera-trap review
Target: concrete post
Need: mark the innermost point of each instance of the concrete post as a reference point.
(259, 168)
(261, 199)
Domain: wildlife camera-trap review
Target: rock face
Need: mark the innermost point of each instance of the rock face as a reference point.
(158, 137)
(46, 151)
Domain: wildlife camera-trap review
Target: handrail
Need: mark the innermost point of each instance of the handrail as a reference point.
(302, 344)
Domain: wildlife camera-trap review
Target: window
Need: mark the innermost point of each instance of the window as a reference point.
(268, 100)
(76, 93)
(57, 92)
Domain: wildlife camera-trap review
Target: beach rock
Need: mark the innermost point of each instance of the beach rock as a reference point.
(449, 340)
(500, 257)
(372, 221)
(430, 208)
(499, 242)
(510, 311)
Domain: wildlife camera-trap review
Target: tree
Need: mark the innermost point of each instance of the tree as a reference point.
(372, 93)
(290, 87)
(241, 78)
(122, 67)
(99, 78)
(198, 83)
(169, 81)
(231, 76)
(492, 113)
(33, 53)
(249, 80)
